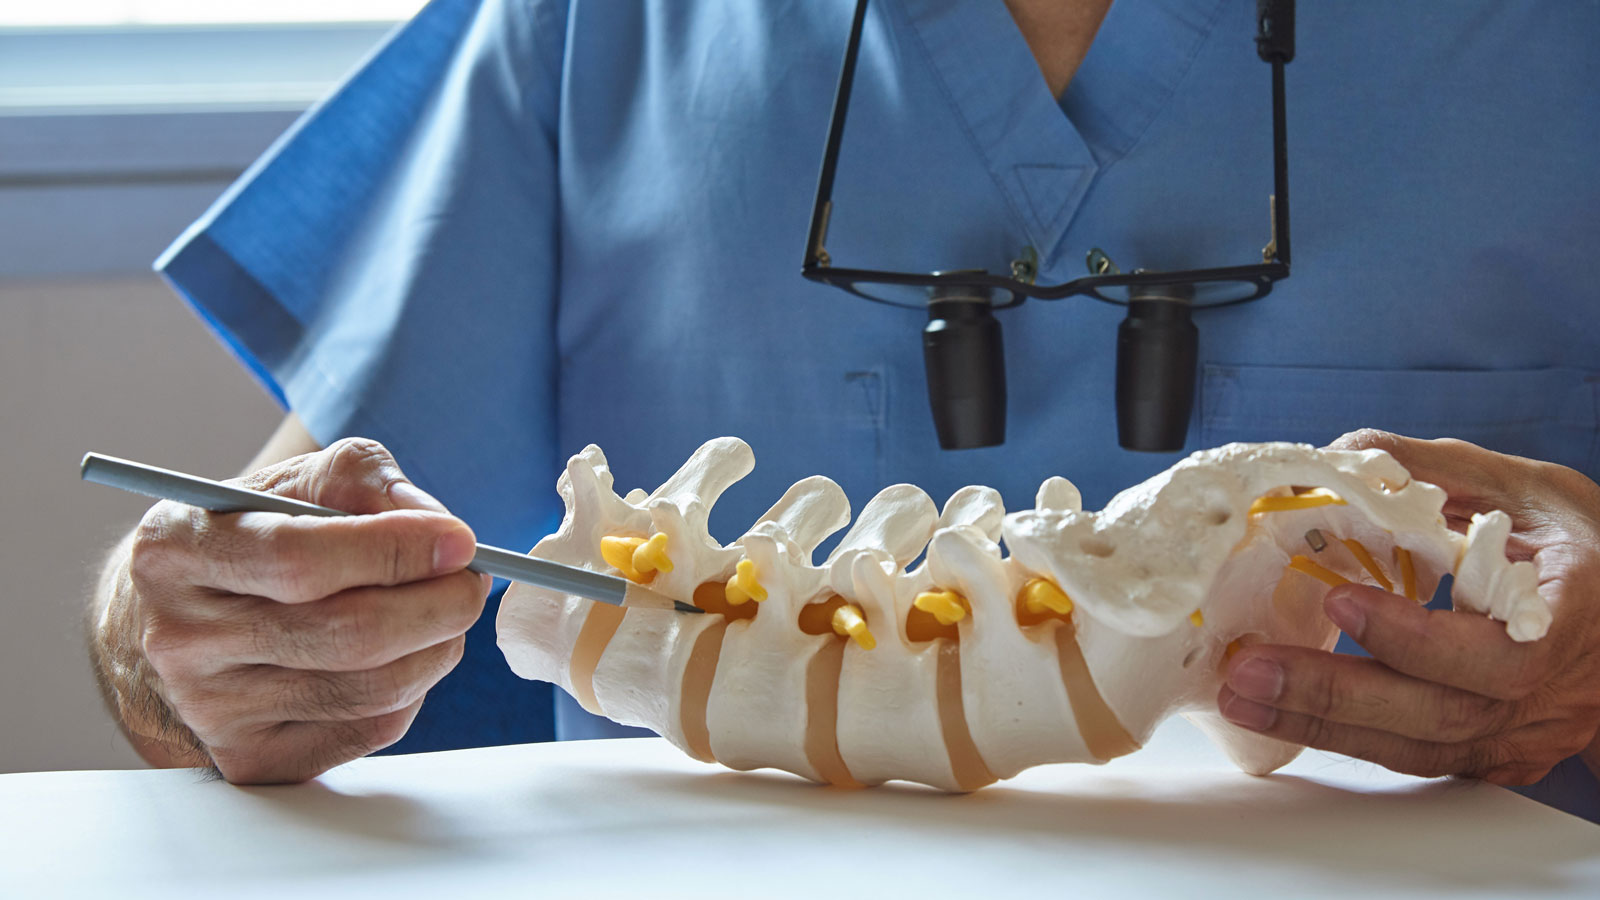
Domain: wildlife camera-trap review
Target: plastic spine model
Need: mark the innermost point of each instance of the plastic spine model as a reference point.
(976, 665)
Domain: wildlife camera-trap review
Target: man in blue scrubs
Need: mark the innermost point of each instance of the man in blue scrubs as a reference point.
(528, 225)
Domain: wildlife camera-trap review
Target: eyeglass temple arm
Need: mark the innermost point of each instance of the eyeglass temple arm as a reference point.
(816, 254)
(1275, 45)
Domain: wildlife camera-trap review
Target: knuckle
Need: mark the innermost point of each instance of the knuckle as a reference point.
(1466, 716)
(1515, 775)
(206, 712)
(278, 634)
(1326, 698)
(262, 760)
(1488, 754)
(169, 644)
(355, 634)
(455, 650)
(359, 737)
(1528, 677)
(1336, 695)
(286, 565)
(197, 528)
(1559, 476)
(282, 477)
(149, 565)
(1574, 492)
(158, 543)
(401, 545)
(388, 690)
(1312, 731)
(226, 550)
(1456, 445)
(1422, 761)
(349, 474)
(1367, 439)
(1528, 755)
(357, 457)
(382, 731)
(367, 695)
(316, 696)
(434, 665)
(240, 769)
(356, 695)
(398, 557)
(1410, 757)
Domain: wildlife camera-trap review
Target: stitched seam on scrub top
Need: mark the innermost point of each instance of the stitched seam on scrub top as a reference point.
(1166, 102)
(874, 392)
(989, 164)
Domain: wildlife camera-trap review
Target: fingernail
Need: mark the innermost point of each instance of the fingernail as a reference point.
(1346, 613)
(1258, 679)
(406, 495)
(1249, 714)
(453, 550)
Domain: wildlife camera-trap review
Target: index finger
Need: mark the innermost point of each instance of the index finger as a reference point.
(1460, 649)
(297, 559)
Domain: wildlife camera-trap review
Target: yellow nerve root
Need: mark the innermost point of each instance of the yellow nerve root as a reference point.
(743, 586)
(1302, 564)
(848, 622)
(1197, 618)
(948, 607)
(1041, 595)
(1313, 497)
(651, 556)
(1359, 551)
(620, 553)
(1408, 573)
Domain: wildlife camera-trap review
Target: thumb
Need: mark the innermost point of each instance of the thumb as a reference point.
(1473, 477)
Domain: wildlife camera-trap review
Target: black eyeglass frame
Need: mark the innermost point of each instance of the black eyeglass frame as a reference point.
(1274, 45)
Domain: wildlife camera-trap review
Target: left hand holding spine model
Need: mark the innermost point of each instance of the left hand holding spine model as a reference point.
(976, 665)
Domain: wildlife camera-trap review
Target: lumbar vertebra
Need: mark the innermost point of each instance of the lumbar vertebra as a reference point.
(976, 665)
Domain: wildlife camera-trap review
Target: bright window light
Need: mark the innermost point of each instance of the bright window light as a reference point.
(201, 12)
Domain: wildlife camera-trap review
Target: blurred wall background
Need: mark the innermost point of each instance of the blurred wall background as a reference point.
(113, 137)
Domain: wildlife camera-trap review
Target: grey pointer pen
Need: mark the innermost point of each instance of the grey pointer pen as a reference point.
(165, 484)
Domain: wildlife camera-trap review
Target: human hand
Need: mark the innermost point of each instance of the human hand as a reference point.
(276, 646)
(1448, 692)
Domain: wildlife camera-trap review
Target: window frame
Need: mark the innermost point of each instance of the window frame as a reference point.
(98, 181)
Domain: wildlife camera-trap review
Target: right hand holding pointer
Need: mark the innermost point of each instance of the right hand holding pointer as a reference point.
(276, 646)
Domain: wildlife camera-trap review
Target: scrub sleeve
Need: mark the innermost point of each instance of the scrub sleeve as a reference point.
(388, 270)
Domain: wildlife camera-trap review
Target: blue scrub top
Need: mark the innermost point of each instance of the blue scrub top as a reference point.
(527, 225)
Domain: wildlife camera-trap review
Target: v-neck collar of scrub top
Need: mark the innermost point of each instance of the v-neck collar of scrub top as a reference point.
(1043, 154)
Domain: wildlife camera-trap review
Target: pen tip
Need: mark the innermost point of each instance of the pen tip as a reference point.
(641, 596)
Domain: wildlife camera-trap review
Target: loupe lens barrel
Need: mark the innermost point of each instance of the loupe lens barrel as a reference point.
(1157, 348)
(965, 360)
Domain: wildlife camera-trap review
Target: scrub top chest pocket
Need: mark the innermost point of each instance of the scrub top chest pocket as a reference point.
(1547, 414)
(806, 418)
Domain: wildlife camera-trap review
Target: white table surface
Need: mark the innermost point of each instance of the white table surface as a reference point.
(610, 818)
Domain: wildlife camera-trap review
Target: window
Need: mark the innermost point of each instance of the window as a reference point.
(202, 12)
(120, 120)
(126, 55)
